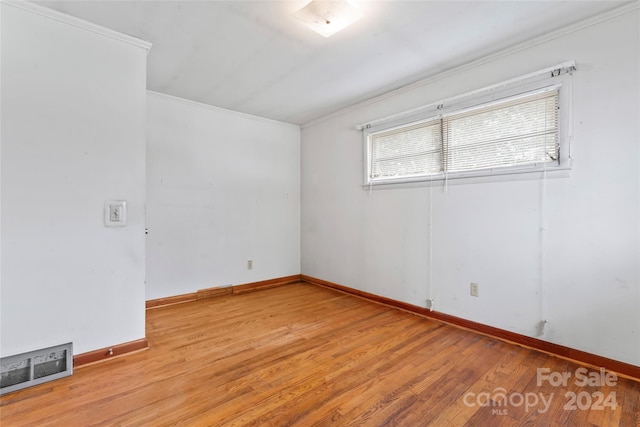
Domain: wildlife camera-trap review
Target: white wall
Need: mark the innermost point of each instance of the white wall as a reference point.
(222, 188)
(73, 117)
(489, 233)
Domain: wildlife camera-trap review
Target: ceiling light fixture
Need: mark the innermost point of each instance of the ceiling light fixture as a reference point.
(328, 17)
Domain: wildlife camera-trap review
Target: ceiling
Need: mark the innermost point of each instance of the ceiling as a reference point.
(253, 57)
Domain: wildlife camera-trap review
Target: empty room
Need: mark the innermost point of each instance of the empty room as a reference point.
(378, 213)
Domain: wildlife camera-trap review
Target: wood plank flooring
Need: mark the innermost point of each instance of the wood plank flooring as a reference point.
(305, 355)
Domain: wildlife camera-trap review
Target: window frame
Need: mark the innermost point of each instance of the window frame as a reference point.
(466, 102)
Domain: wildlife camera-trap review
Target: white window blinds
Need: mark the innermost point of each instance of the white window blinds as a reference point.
(412, 150)
(518, 131)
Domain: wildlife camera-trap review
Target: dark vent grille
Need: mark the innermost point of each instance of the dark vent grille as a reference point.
(36, 367)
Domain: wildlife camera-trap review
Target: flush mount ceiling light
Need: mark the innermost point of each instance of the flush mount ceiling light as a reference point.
(328, 17)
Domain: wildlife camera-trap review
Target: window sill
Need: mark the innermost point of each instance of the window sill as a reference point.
(460, 179)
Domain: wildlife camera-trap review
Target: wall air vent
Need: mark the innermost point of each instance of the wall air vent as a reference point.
(35, 367)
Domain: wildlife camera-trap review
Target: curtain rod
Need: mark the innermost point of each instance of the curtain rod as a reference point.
(555, 71)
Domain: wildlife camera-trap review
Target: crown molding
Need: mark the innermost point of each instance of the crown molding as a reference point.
(627, 8)
(221, 110)
(78, 23)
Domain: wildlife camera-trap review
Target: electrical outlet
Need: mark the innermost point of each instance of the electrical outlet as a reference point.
(474, 289)
(250, 265)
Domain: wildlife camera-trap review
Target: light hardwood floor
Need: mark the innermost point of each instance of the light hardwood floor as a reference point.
(305, 355)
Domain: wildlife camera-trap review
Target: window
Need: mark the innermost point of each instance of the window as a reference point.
(512, 134)
(407, 151)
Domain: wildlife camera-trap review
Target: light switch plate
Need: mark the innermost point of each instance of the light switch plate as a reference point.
(115, 213)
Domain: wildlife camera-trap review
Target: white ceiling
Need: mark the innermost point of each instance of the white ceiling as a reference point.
(253, 57)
